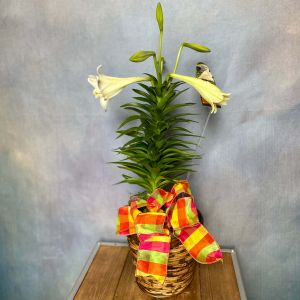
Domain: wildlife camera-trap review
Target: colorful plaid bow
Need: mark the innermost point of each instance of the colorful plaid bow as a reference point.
(153, 231)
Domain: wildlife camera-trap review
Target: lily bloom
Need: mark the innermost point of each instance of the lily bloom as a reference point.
(208, 91)
(106, 87)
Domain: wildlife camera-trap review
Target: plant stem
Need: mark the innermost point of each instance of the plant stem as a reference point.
(156, 66)
(160, 46)
(159, 61)
(177, 59)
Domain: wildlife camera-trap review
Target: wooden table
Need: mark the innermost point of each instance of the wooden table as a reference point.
(109, 275)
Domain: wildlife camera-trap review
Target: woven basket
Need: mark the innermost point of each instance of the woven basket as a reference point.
(180, 270)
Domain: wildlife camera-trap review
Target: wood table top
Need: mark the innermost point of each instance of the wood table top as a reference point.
(109, 275)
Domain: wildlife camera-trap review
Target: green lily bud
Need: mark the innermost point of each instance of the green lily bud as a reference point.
(196, 47)
(141, 56)
(160, 17)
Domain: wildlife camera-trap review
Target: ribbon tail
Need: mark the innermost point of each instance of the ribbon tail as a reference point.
(153, 255)
(200, 244)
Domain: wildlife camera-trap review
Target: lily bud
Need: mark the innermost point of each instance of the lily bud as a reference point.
(196, 47)
(160, 17)
(141, 56)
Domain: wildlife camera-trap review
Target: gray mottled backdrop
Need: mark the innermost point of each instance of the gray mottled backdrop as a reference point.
(57, 192)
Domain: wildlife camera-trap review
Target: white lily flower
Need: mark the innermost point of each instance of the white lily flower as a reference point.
(106, 87)
(208, 91)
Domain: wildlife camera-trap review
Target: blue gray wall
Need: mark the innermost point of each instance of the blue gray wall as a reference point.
(57, 192)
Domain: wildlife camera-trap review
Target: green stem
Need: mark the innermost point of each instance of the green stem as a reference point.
(159, 61)
(177, 59)
(160, 46)
(156, 65)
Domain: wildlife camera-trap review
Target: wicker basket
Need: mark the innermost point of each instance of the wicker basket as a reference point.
(180, 270)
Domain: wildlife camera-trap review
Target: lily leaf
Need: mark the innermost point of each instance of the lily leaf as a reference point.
(196, 47)
(141, 56)
(158, 147)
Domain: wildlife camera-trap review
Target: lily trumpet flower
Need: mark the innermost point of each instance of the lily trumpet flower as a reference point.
(106, 87)
(210, 92)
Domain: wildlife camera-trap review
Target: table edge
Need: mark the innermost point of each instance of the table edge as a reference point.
(237, 272)
(87, 265)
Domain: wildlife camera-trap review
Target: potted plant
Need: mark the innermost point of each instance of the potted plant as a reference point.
(161, 222)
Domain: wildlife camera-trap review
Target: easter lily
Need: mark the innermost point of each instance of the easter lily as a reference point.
(208, 91)
(106, 87)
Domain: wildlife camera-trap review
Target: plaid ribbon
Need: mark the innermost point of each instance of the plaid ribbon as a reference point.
(153, 229)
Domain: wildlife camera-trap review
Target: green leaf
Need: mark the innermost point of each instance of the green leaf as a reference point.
(141, 56)
(196, 47)
(135, 171)
(153, 79)
(175, 106)
(133, 131)
(143, 99)
(149, 89)
(146, 95)
(134, 141)
(182, 120)
(145, 107)
(180, 129)
(185, 134)
(160, 17)
(137, 181)
(129, 119)
(142, 113)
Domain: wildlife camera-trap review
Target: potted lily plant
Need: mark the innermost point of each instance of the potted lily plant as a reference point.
(161, 222)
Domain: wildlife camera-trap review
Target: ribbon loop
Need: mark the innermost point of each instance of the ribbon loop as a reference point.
(184, 213)
(151, 222)
(157, 199)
